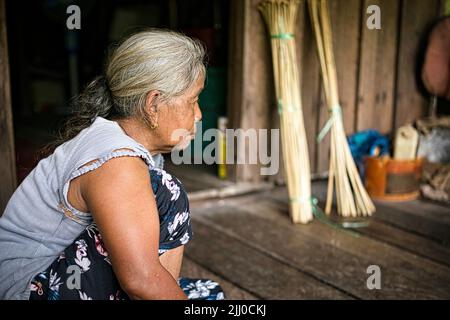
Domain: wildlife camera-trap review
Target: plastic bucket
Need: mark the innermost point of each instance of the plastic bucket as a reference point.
(393, 180)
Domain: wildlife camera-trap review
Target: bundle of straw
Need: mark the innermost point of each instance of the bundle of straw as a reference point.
(280, 16)
(352, 198)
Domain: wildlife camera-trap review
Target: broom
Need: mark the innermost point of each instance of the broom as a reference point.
(351, 196)
(280, 16)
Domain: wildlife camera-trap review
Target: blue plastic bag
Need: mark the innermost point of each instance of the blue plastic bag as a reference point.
(367, 143)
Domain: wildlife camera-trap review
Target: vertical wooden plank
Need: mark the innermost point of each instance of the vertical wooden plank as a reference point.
(7, 158)
(416, 17)
(251, 91)
(345, 20)
(235, 71)
(377, 68)
(259, 93)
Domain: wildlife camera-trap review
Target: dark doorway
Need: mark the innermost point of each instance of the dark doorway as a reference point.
(49, 63)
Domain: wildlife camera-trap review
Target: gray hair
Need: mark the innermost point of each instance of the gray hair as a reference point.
(153, 59)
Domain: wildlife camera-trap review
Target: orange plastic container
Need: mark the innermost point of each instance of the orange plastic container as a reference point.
(393, 180)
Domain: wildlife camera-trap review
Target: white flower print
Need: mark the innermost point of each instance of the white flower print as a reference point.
(81, 255)
(174, 190)
(84, 296)
(220, 296)
(161, 251)
(54, 281)
(107, 260)
(115, 297)
(170, 184)
(92, 230)
(185, 238)
(179, 219)
(61, 256)
(200, 289)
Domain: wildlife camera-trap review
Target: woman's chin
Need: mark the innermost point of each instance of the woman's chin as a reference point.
(183, 144)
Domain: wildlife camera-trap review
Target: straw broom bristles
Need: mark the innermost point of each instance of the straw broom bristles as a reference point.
(352, 198)
(280, 17)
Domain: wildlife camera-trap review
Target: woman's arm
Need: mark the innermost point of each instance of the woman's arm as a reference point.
(119, 196)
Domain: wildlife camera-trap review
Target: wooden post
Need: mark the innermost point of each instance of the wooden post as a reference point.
(416, 17)
(377, 68)
(7, 158)
(250, 83)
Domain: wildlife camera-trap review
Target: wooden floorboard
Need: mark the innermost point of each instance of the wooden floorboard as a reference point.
(417, 219)
(422, 220)
(411, 242)
(254, 271)
(399, 235)
(323, 256)
(191, 269)
(249, 242)
(414, 266)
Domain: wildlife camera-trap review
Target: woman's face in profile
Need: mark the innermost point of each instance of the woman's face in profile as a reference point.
(177, 118)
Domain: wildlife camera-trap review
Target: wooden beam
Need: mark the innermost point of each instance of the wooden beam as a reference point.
(251, 93)
(235, 71)
(416, 17)
(377, 68)
(7, 157)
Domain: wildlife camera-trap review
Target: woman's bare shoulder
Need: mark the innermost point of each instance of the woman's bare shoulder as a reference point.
(115, 173)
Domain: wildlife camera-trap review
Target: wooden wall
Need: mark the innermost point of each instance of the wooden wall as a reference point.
(376, 70)
(7, 158)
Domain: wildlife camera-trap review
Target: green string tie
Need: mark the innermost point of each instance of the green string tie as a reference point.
(282, 36)
(282, 109)
(336, 113)
(322, 217)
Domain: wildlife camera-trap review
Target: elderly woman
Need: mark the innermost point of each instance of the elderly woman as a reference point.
(99, 218)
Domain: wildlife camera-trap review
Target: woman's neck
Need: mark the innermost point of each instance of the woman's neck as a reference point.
(139, 133)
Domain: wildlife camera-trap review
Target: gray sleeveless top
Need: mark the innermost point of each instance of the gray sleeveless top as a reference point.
(39, 222)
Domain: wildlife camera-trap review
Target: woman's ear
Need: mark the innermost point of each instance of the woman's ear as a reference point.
(151, 108)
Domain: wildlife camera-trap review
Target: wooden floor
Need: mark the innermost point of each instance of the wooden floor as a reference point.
(248, 244)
